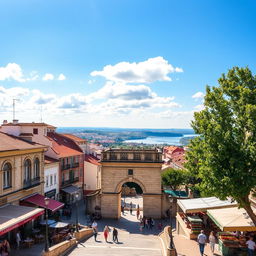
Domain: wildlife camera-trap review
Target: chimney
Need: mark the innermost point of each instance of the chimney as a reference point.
(15, 121)
(5, 122)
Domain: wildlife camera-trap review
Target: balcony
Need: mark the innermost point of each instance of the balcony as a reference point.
(31, 183)
(65, 167)
(75, 165)
(70, 181)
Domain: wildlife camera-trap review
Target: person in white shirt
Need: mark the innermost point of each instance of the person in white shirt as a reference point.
(212, 241)
(18, 239)
(251, 246)
(201, 239)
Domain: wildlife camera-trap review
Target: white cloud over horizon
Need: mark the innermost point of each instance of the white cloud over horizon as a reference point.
(12, 71)
(149, 71)
(61, 77)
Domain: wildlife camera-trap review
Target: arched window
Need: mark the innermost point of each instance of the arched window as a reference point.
(7, 178)
(27, 167)
(36, 168)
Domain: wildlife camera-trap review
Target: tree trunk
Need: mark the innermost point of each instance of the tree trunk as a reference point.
(248, 208)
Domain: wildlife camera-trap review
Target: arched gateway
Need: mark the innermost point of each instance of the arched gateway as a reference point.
(139, 166)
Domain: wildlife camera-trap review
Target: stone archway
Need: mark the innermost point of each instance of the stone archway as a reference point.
(140, 166)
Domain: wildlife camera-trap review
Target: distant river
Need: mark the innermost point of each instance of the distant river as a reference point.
(160, 140)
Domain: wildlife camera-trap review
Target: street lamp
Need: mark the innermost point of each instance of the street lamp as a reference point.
(171, 237)
(77, 195)
(46, 201)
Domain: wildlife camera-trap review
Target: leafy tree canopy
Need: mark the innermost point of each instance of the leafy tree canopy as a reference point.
(174, 178)
(224, 155)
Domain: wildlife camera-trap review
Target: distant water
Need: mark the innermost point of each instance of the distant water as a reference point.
(161, 140)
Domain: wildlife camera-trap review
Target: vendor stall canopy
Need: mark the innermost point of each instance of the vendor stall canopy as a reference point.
(231, 219)
(203, 204)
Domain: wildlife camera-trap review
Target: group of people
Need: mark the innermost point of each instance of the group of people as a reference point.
(130, 209)
(202, 240)
(147, 223)
(106, 232)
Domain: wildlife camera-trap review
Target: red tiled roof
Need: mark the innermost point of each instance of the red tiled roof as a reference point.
(28, 124)
(63, 146)
(49, 160)
(10, 142)
(173, 149)
(91, 159)
(73, 137)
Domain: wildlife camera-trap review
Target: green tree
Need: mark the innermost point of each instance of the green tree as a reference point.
(224, 155)
(174, 178)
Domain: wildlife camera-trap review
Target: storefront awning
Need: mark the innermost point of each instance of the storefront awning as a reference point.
(38, 200)
(176, 193)
(71, 189)
(14, 216)
(59, 225)
(231, 219)
(203, 204)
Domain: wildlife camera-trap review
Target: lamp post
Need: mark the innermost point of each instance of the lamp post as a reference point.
(77, 195)
(46, 201)
(171, 237)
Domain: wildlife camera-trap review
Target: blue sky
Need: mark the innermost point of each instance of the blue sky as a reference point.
(168, 50)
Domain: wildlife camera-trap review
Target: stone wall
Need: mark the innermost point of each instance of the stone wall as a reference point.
(165, 242)
(61, 248)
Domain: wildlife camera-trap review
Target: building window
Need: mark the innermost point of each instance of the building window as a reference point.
(124, 156)
(55, 179)
(36, 168)
(130, 171)
(7, 171)
(47, 181)
(27, 167)
(148, 157)
(113, 156)
(35, 130)
(51, 181)
(136, 156)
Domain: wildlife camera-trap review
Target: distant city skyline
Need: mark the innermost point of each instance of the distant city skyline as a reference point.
(127, 64)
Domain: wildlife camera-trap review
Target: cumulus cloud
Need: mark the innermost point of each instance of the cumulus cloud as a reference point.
(149, 71)
(199, 107)
(61, 77)
(198, 95)
(48, 76)
(11, 71)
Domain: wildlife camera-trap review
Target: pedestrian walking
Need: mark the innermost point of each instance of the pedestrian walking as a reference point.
(141, 226)
(131, 208)
(18, 239)
(138, 212)
(250, 246)
(5, 248)
(146, 223)
(106, 233)
(95, 233)
(95, 225)
(201, 239)
(212, 241)
(115, 235)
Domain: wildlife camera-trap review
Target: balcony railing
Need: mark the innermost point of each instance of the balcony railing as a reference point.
(70, 181)
(74, 165)
(31, 182)
(65, 166)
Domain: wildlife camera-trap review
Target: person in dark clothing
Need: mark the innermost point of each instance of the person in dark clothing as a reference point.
(115, 234)
(95, 233)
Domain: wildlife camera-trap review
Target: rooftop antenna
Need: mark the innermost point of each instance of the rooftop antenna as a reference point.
(13, 108)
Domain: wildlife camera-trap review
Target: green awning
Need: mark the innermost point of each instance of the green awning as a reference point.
(176, 193)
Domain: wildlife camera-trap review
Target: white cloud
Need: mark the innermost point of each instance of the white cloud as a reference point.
(48, 76)
(61, 77)
(149, 71)
(11, 71)
(198, 95)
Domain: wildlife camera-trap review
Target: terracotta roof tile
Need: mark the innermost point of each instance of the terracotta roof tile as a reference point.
(91, 159)
(28, 124)
(63, 146)
(73, 137)
(10, 143)
(49, 160)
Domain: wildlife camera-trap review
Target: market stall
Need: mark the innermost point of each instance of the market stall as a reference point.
(236, 227)
(192, 217)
